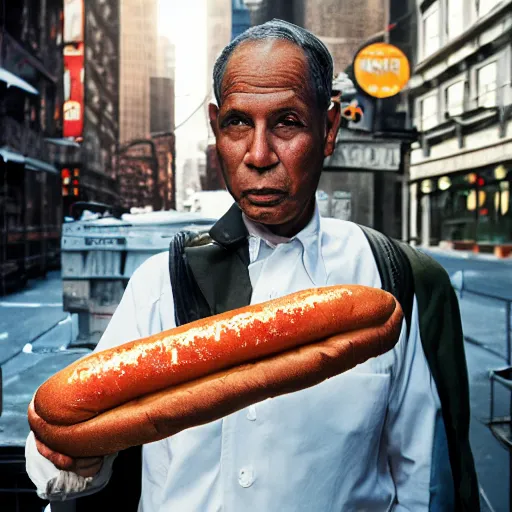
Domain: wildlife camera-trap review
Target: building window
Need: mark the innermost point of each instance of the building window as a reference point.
(486, 6)
(428, 113)
(471, 207)
(455, 18)
(454, 99)
(486, 85)
(431, 35)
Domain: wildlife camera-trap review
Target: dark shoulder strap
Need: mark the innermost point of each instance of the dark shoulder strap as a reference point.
(189, 302)
(207, 278)
(394, 269)
(443, 344)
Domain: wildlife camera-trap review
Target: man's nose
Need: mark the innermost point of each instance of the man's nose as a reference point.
(260, 154)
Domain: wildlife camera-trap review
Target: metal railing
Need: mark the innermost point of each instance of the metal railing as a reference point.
(500, 427)
(459, 283)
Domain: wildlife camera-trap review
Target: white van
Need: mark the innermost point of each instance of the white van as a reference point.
(209, 203)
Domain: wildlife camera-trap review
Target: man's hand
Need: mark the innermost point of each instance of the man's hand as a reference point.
(85, 467)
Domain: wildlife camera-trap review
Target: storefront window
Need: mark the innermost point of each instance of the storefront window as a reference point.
(458, 216)
(494, 215)
(444, 183)
(471, 207)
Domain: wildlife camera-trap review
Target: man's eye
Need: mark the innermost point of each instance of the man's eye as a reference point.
(234, 121)
(289, 121)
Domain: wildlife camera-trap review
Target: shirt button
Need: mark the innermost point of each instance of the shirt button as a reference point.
(251, 413)
(246, 477)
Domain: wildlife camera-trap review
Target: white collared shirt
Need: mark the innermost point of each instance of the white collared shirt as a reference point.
(361, 441)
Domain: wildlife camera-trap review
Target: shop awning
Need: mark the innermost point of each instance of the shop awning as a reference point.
(38, 165)
(15, 81)
(63, 142)
(9, 155)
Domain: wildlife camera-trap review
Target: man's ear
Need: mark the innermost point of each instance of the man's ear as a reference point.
(213, 112)
(333, 125)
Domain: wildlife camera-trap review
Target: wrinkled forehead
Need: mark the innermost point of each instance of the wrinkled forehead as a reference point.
(267, 66)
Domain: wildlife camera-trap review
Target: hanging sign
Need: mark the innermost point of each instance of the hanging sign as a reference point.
(381, 70)
(73, 108)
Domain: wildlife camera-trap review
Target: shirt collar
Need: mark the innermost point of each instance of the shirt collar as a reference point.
(310, 238)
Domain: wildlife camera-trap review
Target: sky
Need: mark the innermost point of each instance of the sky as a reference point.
(184, 23)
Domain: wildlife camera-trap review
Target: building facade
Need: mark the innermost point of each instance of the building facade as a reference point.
(240, 18)
(138, 61)
(219, 26)
(31, 98)
(165, 146)
(165, 69)
(161, 87)
(364, 180)
(342, 26)
(101, 102)
(461, 96)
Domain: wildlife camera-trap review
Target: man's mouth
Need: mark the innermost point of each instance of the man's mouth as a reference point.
(264, 196)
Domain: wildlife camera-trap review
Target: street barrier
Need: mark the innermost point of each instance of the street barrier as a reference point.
(463, 285)
(500, 427)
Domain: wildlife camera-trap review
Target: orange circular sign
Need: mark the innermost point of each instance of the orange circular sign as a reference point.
(381, 70)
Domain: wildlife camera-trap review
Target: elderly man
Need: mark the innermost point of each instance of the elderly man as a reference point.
(369, 439)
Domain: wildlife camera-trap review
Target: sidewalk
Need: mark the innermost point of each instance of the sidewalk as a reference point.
(464, 255)
(484, 320)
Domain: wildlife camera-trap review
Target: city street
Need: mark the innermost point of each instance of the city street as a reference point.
(26, 315)
(484, 320)
(34, 330)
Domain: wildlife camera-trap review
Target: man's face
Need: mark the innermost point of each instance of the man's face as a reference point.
(271, 135)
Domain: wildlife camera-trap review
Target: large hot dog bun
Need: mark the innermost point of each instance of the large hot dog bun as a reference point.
(152, 388)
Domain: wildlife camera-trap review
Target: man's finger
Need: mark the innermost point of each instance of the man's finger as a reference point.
(59, 460)
(88, 462)
(87, 466)
(90, 471)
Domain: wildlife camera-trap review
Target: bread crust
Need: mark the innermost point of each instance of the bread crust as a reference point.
(289, 352)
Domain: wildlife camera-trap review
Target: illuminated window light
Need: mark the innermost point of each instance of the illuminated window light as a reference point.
(471, 201)
(444, 183)
(500, 173)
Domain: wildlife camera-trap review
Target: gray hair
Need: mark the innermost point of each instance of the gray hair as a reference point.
(318, 56)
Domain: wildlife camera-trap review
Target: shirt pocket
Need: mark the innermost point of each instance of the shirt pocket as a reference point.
(349, 404)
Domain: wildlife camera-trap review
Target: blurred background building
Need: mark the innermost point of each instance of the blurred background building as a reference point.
(100, 76)
(240, 18)
(365, 180)
(147, 77)
(31, 100)
(88, 96)
(460, 93)
(90, 130)
(138, 53)
(220, 20)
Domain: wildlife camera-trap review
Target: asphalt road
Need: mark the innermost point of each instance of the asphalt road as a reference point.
(26, 315)
(34, 329)
(483, 320)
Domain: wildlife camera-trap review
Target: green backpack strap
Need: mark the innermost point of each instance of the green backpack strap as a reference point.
(443, 344)
(394, 269)
(406, 272)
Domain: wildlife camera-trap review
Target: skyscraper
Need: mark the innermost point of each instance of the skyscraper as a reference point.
(138, 62)
(342, 26)
(219, 32)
